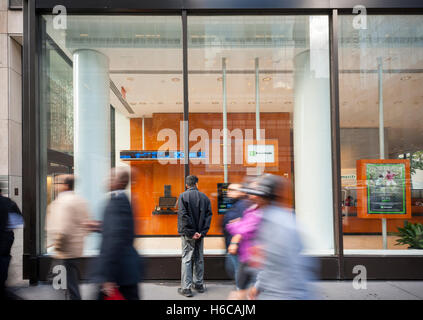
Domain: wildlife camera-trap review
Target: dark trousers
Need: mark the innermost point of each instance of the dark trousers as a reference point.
(232, 265)
(6, 242)
(245, 276)
(72, 278)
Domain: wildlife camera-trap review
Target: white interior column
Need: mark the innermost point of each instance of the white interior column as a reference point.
(92, 132)
(313, 155)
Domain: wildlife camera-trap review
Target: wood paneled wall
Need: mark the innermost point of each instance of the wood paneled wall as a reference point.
(148, 179)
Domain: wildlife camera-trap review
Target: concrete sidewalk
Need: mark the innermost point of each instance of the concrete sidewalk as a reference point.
(219, 290)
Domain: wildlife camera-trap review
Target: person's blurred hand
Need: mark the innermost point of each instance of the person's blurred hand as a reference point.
(92, 225)
(108, 288)
(196, 236)
(233, 249)
(252, 293)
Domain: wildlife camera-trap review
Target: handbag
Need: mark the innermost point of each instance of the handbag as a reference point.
(116, 295)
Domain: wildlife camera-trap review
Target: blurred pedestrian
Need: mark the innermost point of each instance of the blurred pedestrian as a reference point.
(194, 218)
(239, 205)
(284, 273)
(66, 226)
(8, 207)
(119, 260)
(243, 231)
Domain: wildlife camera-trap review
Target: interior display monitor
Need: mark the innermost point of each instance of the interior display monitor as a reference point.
(223, 201)
(167, 202)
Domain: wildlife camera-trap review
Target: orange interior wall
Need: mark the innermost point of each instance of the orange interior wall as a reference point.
(149, 178)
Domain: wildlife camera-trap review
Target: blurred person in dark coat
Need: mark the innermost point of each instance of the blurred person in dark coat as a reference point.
(239, 205)
(284, 273)
(119, 260)
(7, 238)
(194, 218)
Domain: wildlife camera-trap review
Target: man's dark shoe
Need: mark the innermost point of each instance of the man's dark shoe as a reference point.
(185, 292)
(199, 288)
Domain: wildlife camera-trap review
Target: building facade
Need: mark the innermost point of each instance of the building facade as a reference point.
(11, 40)
(323, 93)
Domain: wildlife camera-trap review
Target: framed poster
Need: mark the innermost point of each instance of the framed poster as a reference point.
(383, 189)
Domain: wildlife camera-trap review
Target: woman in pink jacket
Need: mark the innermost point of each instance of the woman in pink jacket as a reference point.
(243, 233)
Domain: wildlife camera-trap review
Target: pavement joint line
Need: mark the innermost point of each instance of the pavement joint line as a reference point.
(392, 284)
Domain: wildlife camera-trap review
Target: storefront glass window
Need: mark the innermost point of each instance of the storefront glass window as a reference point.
(117, 82)
(264, 79)
(114, 82)
(380, 78)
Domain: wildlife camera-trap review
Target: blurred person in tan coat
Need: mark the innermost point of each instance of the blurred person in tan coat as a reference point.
(67, 224)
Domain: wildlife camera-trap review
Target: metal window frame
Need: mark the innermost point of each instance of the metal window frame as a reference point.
(338, 266)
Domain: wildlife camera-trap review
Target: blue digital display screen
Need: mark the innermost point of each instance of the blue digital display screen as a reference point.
(139, 155)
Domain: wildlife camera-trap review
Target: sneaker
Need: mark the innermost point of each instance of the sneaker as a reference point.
(185, 292)
(199, 288)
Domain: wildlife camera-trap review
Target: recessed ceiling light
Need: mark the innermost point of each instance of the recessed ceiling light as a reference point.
(406, 78)
(251, 102)
(176, 79)
(219, 79)
(130, 79)
(288, 102)
(233, 102)
(83, 34)
(142, 103)
(267, 78)
(160, 102)
(139, 36)
(215, 102)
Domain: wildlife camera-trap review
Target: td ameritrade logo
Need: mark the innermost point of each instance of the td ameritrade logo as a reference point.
(258, 153)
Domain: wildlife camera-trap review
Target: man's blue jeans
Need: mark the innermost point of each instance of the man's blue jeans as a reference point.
(231, 265)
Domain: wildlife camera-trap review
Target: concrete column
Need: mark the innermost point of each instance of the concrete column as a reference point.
(313, 156)
(91, 131)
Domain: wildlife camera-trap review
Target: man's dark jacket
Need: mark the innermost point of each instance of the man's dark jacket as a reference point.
(194, 213)
(6, 236)
(119, 261)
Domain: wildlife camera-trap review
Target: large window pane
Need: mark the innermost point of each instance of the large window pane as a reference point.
(264, 78)
(381, 112)
(112, 84)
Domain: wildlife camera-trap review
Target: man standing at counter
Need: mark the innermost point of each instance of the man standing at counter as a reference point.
(194, 217)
